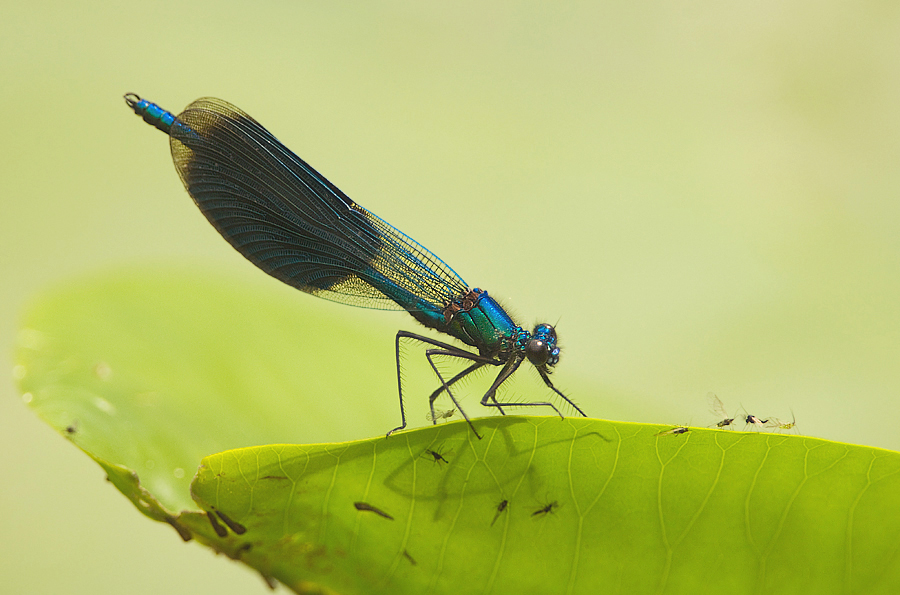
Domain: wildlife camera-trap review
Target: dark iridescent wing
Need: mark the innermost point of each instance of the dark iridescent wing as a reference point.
(295, 225)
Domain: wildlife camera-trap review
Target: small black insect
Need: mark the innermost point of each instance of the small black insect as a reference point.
(438, 457)
(715, 405)
(752, 419)
(546, 509)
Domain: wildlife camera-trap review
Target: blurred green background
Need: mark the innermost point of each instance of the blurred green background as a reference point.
(703, 195)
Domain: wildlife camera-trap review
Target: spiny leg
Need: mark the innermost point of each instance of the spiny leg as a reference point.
(445, 385)
(444, 349)
(511, 366)
(546, 378)
(450, 382)
(399, 384)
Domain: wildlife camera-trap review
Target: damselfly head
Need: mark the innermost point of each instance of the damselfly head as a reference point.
(541, 349)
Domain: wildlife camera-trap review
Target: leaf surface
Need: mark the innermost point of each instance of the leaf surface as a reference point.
(151, 373)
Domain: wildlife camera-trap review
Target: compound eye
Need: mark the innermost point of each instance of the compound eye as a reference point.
(537, 351)
(554, 357)
(545, 329)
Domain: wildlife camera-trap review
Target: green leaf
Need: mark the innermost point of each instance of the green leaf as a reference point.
(154, 368)
(152, 371)
(709, 510)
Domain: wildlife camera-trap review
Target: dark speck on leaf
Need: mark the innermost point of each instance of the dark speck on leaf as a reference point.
(238, 528)
(219, 529)
(368, 507)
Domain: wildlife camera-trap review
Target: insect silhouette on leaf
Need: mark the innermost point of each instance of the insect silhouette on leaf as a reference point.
(500, 508)
(437, 456)
(546, 509)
